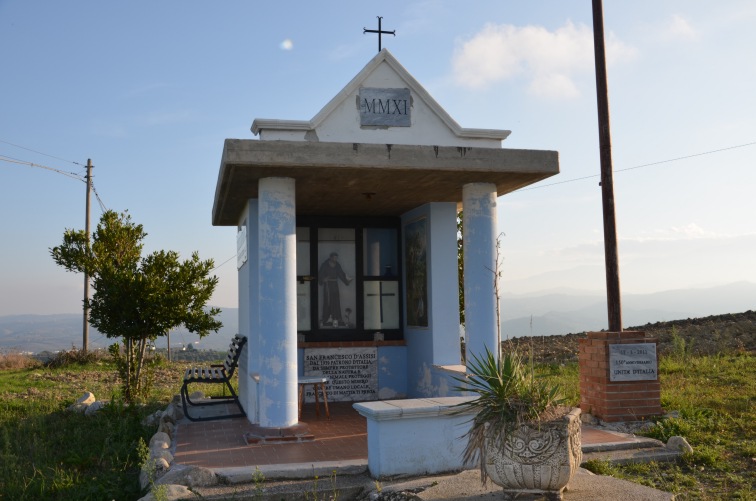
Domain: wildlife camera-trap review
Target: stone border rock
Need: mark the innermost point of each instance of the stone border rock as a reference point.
(173, 481)
(85, 402)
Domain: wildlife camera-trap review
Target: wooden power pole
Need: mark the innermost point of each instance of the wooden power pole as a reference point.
(614, 305)
(85, 343)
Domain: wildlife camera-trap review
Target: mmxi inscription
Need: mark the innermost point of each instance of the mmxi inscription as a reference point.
(353, 372)
(387, 107)
(633, 362)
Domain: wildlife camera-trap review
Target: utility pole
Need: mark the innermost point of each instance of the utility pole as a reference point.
(86, 275)
(614, 305)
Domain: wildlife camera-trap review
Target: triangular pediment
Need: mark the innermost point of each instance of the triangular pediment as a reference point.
(383, 104)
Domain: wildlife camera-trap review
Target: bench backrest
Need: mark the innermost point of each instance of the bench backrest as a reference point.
(234, 352)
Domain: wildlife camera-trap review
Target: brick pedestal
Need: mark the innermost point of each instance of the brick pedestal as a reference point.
(608, 400)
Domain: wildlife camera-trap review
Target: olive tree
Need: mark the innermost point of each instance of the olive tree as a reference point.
(138, 298)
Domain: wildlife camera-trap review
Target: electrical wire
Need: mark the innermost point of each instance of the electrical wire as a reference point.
(103, 208)
(597, 175)
(40, 153)
(642, 165)
(224, 262)
(72, 175)
(76, 176)
(99, 200)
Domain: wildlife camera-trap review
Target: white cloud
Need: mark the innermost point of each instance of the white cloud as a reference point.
(679, 28)
(554, 86)
(287, 44)
(548, 60)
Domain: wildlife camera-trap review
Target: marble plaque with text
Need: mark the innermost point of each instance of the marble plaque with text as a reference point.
(386, 107)
(633, 362)
(353, 372)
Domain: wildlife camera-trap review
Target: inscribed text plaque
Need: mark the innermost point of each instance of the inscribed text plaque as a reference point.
(387, 107)
(633, 362)
(353, 372)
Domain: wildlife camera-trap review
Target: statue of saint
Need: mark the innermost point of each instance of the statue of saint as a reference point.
(329, 274)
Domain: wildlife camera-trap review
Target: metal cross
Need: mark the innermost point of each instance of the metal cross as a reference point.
(379, 31)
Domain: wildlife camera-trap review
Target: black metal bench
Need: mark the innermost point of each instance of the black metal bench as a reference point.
(215, 374)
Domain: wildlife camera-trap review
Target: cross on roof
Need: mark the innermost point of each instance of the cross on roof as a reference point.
(379, 31)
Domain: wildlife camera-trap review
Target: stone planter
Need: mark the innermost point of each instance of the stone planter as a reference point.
(536, 458)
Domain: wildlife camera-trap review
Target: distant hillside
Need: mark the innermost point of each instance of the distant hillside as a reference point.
(729, 333)
(564, 311)
(36, 333)
(546, 314)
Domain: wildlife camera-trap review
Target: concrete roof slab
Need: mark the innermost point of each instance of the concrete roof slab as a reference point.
(356, 179)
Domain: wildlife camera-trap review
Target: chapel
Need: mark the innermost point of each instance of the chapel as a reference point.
(347, 243)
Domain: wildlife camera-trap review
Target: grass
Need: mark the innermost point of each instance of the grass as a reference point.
(47, 453)
(715, 396)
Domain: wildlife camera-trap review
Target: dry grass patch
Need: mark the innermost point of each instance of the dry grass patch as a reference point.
(12, 359)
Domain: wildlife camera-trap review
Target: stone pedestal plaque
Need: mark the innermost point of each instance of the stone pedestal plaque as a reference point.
(619, 376)
(353, 372)
(633, 362)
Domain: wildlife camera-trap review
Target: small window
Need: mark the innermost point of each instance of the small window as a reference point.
(381, 303)
(349, 284)
(379, 252)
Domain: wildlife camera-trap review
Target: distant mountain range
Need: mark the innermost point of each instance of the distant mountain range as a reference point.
(36, 333)
(546, 313)
(565, 311)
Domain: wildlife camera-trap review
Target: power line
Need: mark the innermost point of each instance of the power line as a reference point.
(643, 165)
(40, 153)
(224, 262)
(99, 200)
(72, 175)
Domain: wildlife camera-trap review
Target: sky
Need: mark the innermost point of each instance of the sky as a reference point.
(150, 90)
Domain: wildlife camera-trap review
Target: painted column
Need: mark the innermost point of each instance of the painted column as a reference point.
(479, 240)
(249, 320)
(277, 302)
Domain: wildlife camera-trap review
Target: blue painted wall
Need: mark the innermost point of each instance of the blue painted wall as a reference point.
(437, 344)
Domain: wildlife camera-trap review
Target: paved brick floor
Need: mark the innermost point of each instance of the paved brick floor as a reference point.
(221, 443)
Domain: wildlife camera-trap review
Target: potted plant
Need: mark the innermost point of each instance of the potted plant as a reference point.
(524, 439)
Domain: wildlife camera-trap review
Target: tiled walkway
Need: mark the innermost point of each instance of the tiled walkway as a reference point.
(221, 444)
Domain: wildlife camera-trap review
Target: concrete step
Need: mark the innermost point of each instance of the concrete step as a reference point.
(643, 455)
(622, 448)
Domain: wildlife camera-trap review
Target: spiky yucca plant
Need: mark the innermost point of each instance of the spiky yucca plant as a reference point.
(508, 395)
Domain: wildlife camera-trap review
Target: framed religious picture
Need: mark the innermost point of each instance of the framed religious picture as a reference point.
(415, 259)
(337, 300)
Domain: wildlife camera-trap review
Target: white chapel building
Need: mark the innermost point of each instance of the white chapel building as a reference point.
(347, 243)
